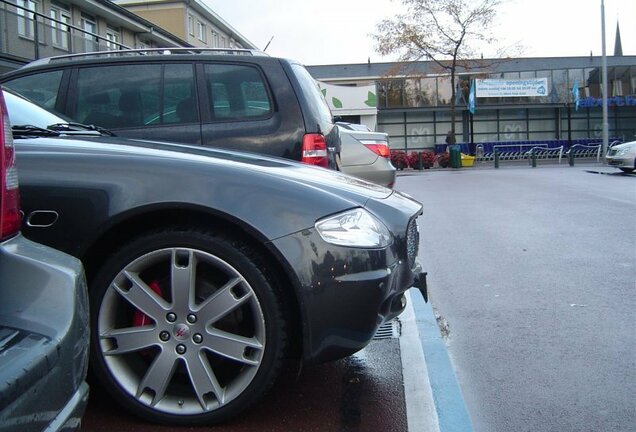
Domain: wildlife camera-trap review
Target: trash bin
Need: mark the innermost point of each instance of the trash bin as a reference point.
(467, 160)
(455, 155)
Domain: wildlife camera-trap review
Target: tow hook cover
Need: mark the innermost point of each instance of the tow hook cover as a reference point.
(420, 284)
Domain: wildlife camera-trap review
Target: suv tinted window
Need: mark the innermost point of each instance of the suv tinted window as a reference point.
(237, 92)
(40, 88)
(179, 104)
(125, 96)
(118, 96)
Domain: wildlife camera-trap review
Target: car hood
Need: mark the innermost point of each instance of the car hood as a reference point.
(627, 145)
(267, 165)
(114, 179)
(132, 175)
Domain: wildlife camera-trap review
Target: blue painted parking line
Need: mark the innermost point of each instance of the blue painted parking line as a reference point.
(452, 414)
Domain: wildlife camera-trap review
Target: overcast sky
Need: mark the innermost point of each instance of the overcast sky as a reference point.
(338, 31)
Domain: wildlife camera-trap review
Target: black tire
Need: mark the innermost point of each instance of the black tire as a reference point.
(627, 170)
(200, 355)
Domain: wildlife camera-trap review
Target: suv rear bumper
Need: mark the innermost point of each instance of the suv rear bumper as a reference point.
(44, 332)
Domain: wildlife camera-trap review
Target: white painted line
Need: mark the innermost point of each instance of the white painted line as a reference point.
(420, 407)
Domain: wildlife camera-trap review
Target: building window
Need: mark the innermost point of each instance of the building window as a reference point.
(190, 25)
(90, 28)
(215, 39)
(59, 28)
(26, 20)
(143, 44)
(114, 38)
(201, 34)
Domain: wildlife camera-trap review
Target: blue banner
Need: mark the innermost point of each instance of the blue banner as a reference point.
(575, 93)
(471, 97)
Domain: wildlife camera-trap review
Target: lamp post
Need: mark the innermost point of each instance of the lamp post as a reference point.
(604, 81)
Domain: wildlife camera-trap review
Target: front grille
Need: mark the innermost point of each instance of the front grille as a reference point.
(412, 242)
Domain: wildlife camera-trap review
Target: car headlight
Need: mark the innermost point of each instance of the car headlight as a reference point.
(623, 152)
(354, 228)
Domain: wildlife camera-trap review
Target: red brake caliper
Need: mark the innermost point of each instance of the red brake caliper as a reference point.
(140, 318)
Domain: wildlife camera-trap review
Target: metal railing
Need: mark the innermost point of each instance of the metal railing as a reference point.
(588, 151)
(536, 153)
(22, 27)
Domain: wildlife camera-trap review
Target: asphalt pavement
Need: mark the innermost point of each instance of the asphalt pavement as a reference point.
(533, 272)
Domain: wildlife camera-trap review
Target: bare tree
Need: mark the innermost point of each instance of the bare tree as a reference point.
(446, 32)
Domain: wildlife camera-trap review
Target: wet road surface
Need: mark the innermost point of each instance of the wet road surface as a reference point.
(363, 392)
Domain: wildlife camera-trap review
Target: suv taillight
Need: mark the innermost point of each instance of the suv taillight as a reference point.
(315, 150)
(9, 195)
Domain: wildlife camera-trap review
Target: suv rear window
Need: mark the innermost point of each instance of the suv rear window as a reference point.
(316, 101)
(237, 92)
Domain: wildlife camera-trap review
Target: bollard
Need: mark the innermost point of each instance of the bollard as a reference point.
(534, 159)
(496, 158)
(571, 157)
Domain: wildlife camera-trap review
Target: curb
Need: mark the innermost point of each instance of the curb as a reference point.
(448, 400)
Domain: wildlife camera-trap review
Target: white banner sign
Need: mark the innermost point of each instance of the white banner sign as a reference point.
(511, 87)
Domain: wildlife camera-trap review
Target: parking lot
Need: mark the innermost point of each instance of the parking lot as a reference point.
(534, 272)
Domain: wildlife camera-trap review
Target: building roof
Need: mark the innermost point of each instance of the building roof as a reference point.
(618, 46)
(362, 71)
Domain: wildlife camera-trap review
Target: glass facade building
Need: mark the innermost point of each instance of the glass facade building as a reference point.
(414, 103)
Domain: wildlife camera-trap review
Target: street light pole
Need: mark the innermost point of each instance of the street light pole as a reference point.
(604, 80)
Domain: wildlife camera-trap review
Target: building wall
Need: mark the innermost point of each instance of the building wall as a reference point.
(169, 17)
(18, 47)
(414, 109)
(191, 20)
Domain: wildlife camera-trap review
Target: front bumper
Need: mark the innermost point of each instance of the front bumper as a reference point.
(345, 294)
(620, 161)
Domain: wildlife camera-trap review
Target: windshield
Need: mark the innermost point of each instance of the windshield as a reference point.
(24, 112)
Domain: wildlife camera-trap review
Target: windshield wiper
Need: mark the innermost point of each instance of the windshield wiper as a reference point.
(73, 127)
(30, 130)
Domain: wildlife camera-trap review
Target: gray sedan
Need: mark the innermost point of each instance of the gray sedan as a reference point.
(365, 154)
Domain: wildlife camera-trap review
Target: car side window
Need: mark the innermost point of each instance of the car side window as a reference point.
(118, 96)
(237, 92)
(179, 98)
(39, 88)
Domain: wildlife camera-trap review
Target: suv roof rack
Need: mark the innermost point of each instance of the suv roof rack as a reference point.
(146, 51)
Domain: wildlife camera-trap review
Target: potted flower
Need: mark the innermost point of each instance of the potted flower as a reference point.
(399, 159)
(414, 160)
(443, 160)
(428, 159)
